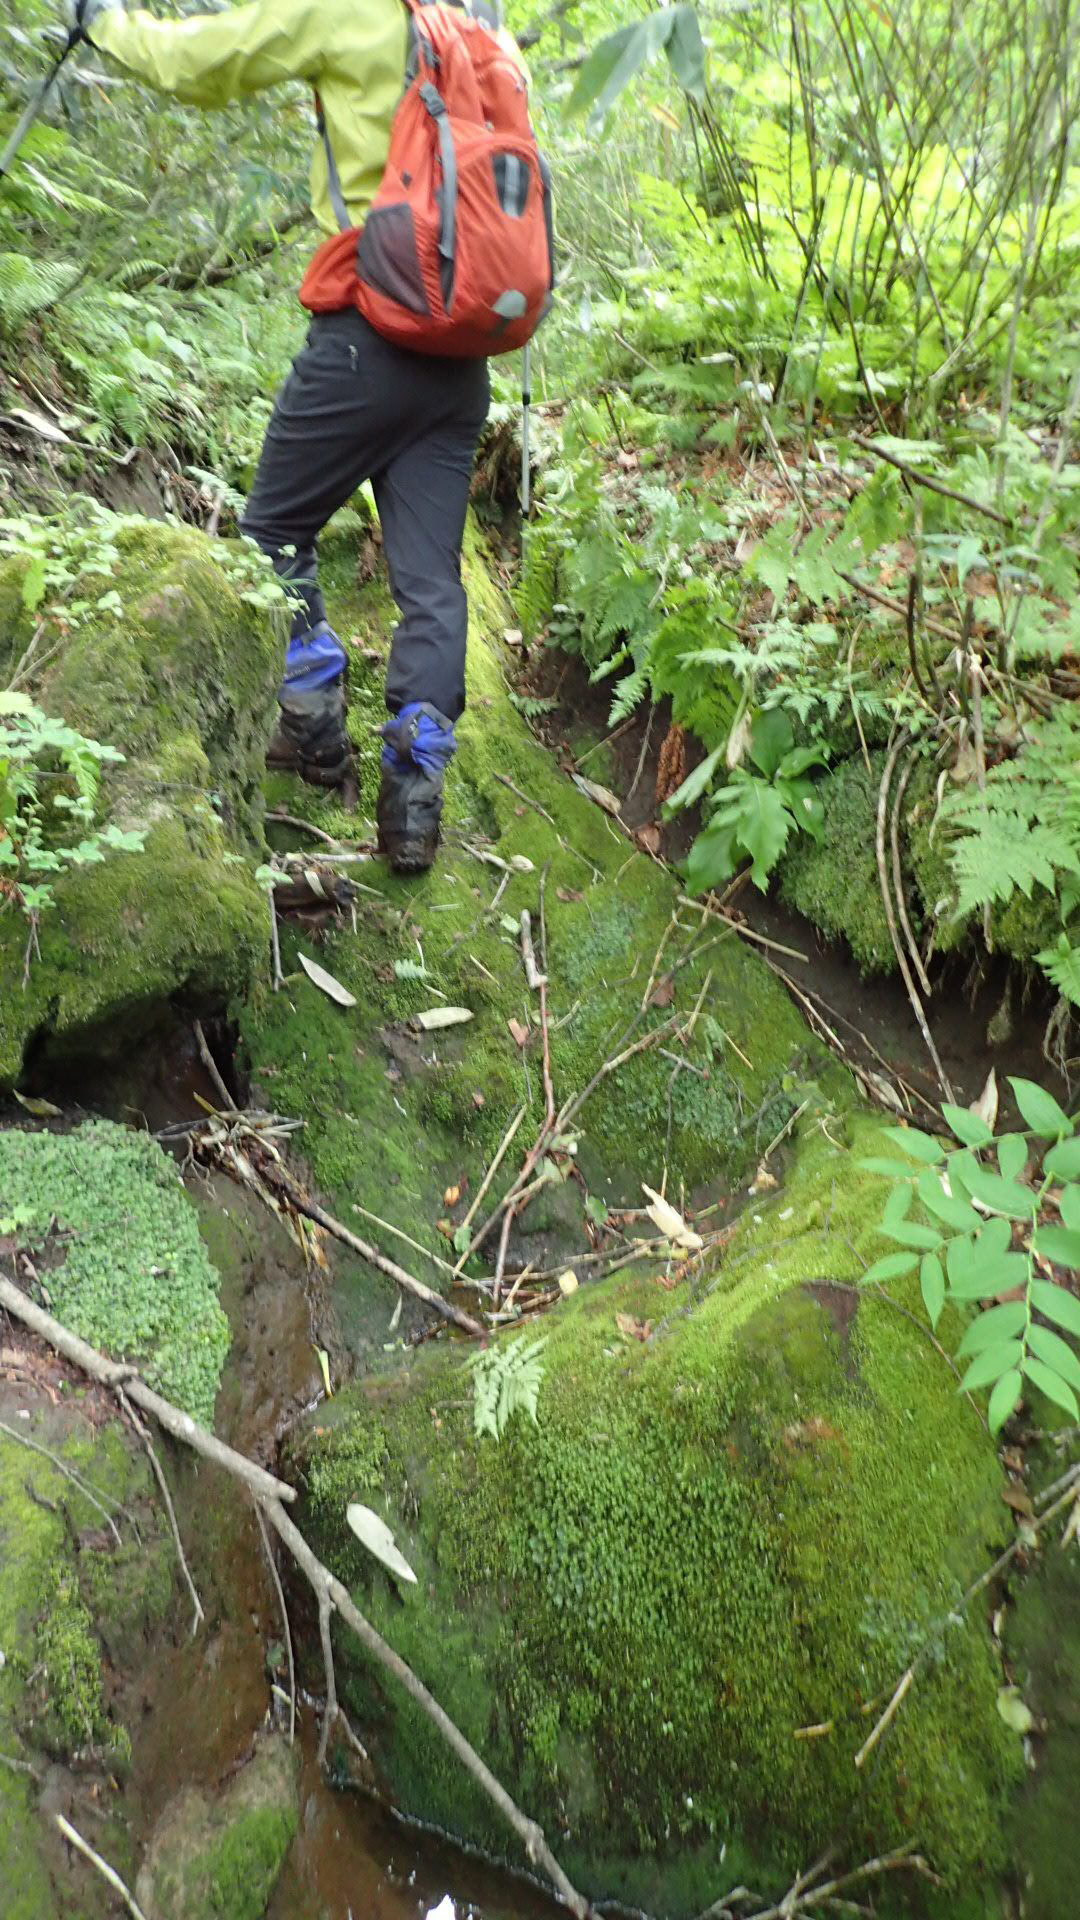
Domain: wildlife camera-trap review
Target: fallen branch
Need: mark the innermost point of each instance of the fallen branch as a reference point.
(748, 933)
(1068, 1483)
(304, 1204)
(111, 1373)
(213, 1069)
(107, 1873)
(285, 1626)
(500, 1155)
(890, 915)
(35, 1446)
(930, 481)
(808, 1890)
(198, 1614)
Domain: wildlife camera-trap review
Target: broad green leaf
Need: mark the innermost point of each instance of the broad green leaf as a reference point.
(1057, 1304)
(1059, 1244)
(686, 52)
(967, 1126)
(33, 583)
(613, 63)
(898, 1204)
(958, 1214)
(1041, 1111)
(1052, 1384)
(770, 740)
(920, 1146)
(890, 1267)
(1005, 1196)
(695, 783)
(1069, 1207)
(1056, 1352)
(892, 1169)
(1063, 1160)
(763, 828)
(1012, 1155)
(932, 1282)
(995, 1236)
(997, 1323)
(910, 1233)
(989, 1276)
(960, 1260)
(1004, 1399)
(711, 859)
(991, 1364)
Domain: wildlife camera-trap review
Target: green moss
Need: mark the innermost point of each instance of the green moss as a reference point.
(70, 1663)
(1043, 1646)
(740, 1529)
(221, 1860)
(834, 881)
(182, 684)
(390, 1121)
(135, 1280)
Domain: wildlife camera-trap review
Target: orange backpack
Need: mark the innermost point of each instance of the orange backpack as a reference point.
(455, 256)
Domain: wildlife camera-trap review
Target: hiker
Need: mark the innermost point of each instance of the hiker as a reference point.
(396, 402)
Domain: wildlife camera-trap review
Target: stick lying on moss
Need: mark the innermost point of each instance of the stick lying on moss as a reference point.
(270, 1495)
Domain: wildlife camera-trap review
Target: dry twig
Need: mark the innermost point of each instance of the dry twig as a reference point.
(285, 1627)
(197, 1614)
(108, 1873)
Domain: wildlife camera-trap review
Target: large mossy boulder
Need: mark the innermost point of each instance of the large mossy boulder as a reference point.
(669, 1614)
(178, 674)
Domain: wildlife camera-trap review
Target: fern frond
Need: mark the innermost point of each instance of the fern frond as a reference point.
(1004, 853)
(1061, 965)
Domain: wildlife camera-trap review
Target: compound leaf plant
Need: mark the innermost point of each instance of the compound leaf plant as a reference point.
(989, 1220)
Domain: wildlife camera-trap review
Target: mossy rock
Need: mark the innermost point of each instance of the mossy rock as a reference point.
(68, 1591)
(182, 683)
(834, 881)
(669, 1614)
(1042, 1639)
(394, 1118)
(134, 1278)
(220, 1859)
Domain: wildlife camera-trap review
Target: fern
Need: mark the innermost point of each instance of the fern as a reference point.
(28, 285)
(1024, 831)
(1061, 965)
(1002, 853)
(507, 1380)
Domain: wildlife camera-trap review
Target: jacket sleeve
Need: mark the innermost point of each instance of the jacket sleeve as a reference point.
(211, 58)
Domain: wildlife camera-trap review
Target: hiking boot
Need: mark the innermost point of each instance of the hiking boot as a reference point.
(311, 739)
(419, 744)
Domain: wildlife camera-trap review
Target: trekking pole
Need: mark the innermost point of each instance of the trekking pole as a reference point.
(36, 102)
(526, 402)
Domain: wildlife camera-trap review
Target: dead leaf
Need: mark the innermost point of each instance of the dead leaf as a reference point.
(663, 993)
(738, 741)
(648, 838)
(520, 1033)
(41, 1109)
(436, 1017)
(568, 1283)
(521, 863)
(986, 1106)
(478, 1099)
(451, 1196)
(763, 1181)
(1014, 1711)
(1019, 1500)
(669, 1221)
(603, 796)
(633, 1329)
(376, 1536)
(331, 987)
(569, 894)
(446, 1228)
(627, 459)
(513, 636)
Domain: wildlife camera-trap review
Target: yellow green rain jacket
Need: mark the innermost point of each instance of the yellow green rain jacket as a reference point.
(352, 51)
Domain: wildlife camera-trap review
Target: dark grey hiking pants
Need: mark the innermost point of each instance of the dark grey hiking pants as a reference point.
(354, 408)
